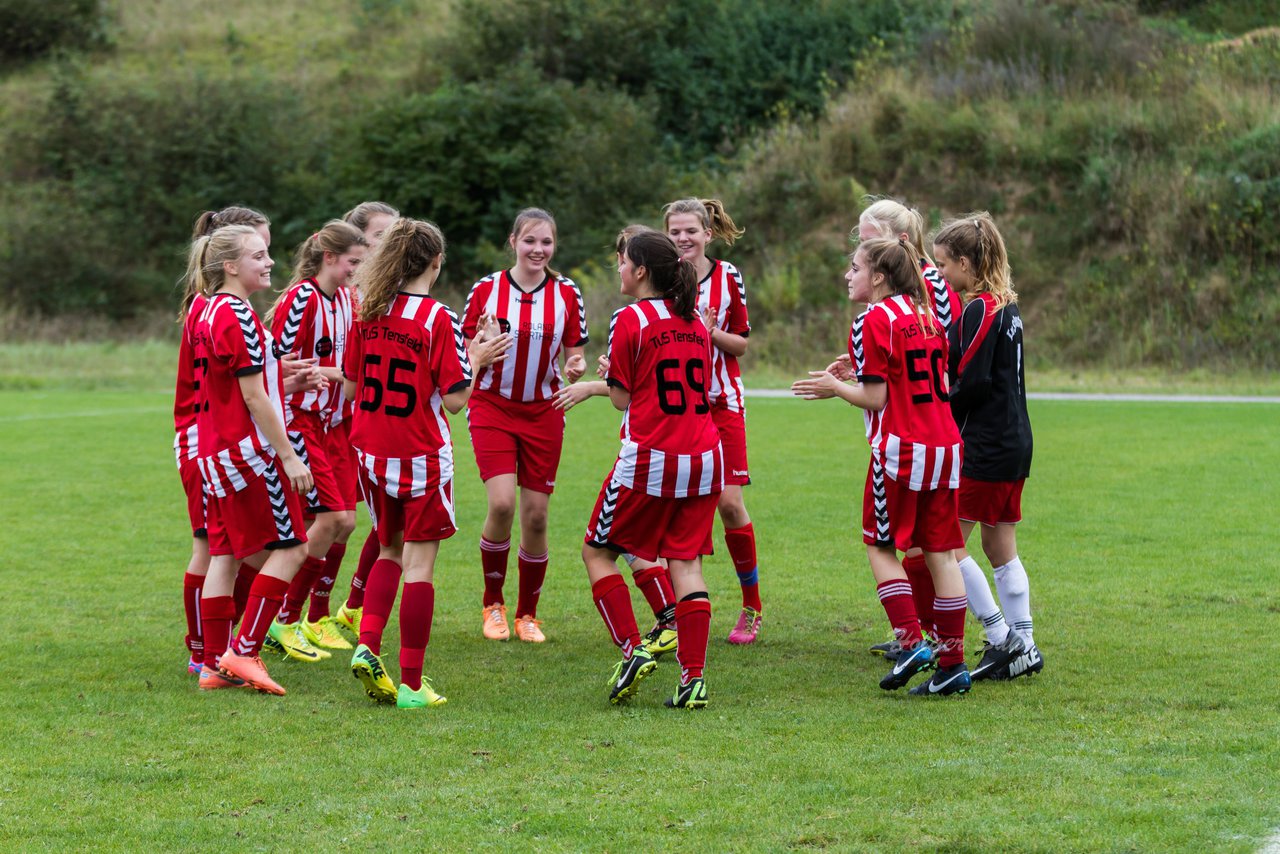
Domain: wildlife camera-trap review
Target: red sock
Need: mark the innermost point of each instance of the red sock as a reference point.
(216, 613)
(191, 586)
(311, 570)
(264, 603)
(368, 555)
(921, 581)
(742, 550)
(533, 571)
(693, 623)
(244, 583)
(655, 583)
(416, 608)
(493, 558)
(613, 600)
(895, 596)
(379, 599)
(319, 607)
(949, 616)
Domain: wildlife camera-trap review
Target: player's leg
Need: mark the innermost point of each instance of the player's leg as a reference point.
(417, 607)
(193, 581)
(686, 537)
(1000, 544)
(380, 598)
(495, 550)
(532, 563)
(936, 528)
(318, 624)
(613, 601)
(740, 539)
(653, 579)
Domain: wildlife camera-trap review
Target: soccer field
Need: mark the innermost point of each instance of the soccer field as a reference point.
(1150, 539)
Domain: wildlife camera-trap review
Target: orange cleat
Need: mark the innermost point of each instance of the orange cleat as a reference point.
(495, 622)
(251, 669)
(212, 680)
(529, 630)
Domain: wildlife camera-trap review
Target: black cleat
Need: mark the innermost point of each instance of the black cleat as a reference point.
(628, 673)
(1029, 661)
(996, 657)
(951, 680)
(691, 696)
(890, 649)
(915, 660)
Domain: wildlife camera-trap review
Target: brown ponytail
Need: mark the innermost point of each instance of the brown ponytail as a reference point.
(975, 236)
(409, 247)
(671, 277)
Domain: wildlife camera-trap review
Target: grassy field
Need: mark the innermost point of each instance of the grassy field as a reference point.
(1149, 539)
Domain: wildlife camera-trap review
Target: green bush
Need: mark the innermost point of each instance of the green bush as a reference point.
(33, 28)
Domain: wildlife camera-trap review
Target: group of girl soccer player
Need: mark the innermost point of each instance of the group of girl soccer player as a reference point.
(344, 396)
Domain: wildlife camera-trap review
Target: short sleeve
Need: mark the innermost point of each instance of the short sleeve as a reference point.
(293, 320)
(475, 303)
(575, 322)
(870, 351)
(622, 350)
(238, 338)
(450, 368)
(736, 319)
(353, 355)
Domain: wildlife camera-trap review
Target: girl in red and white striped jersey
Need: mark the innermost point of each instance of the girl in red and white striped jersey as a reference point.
(313, 318)
(372, 219)
(989, 402)
(516, 433)
(722, 302)
(892, 219)
(659, 500)
(898, 357)
(249, 467)
(187, 402)
(405, 368)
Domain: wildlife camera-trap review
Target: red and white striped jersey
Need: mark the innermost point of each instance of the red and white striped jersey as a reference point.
(348, 304)
(232, 343)
(670, 444)
(722, 291)
(403, 364)
(543, 320)
(187, 396)
(943, 298)
(313, 324)
(914, 437)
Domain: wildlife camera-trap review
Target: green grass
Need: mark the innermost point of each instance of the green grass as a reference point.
(1149, 538)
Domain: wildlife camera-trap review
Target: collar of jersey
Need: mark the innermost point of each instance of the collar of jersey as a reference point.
(546, 279)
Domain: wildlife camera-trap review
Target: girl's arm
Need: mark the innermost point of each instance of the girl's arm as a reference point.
(571, 395)
(264, 415)
(619, 397)
(822, 385)
(575, 363)
(729, 343)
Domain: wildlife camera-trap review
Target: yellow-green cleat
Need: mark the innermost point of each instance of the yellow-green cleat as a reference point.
(660, 641)
(323, 633)
(423, 698)
(349, 618)
(294, 643)
(367, 667)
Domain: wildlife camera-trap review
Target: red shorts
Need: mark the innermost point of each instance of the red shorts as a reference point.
(650, 527)
(342, 456)
(893, 515)
(991, 502)
(193, 485)
(733, 439)
(509, 437)
(311, 443)
(266, 514)
(414, 520)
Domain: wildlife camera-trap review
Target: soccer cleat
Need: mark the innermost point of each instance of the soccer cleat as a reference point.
(324, 634)
(915, 660)
(996, 657)
(948, 680)
(660, 641)
(212, 680)
(424, 697)
(194, 667)
(628, 673)
(495, 622)
(1029, 662)
(251, 669)
(270, 644)
(890, 649)
(293, 642)
(529, 630)
(691, 696)
(349, 618)
(367, 667)
(748, 627)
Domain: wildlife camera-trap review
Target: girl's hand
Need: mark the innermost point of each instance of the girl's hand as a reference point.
(841, 368)
(574, 367)
(820, 386)
(484, 353)
(570, 396)
(709, 318)
(291, 364)
(298, 473)
(602, 367)
(487, 328)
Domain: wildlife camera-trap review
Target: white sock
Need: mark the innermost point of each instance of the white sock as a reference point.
(1015, 596)
(981, 602)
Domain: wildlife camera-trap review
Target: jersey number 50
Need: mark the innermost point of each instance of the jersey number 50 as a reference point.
(671, 395)
(375, 388)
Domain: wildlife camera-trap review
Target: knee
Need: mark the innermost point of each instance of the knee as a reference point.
(346, 526)
(534, 522)
(502, 512)
(733, 512)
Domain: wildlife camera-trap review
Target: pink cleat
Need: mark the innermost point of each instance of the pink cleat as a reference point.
(748, 627)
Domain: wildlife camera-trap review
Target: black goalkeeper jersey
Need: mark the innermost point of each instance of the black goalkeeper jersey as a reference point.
(988, 394)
